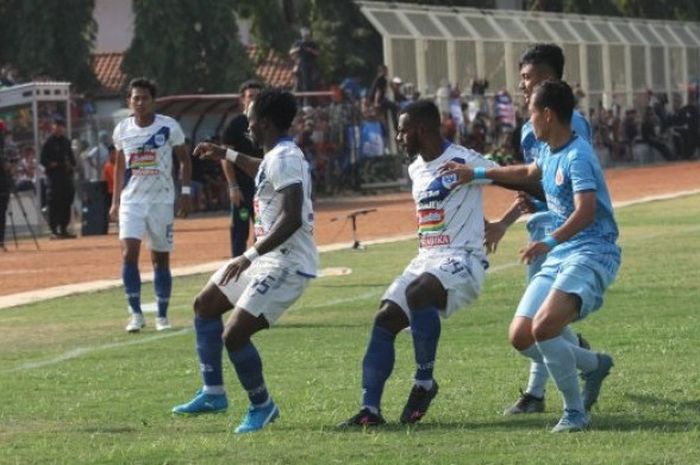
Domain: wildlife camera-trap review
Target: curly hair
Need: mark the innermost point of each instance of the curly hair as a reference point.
(276, 105)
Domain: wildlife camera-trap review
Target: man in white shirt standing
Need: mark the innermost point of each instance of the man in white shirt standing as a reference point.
(269, 277)
(446, 275)
(144, 196)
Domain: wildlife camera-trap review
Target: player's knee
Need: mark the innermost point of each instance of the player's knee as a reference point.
(543, 329)
(425, 291)
(234, 339)
(391, 318)
(520, 334)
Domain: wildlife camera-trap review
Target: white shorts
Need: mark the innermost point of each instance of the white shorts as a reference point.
(267, 288)
(460, 274)
(135, 219)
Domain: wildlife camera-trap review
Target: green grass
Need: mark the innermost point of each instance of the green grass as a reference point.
(73, 393)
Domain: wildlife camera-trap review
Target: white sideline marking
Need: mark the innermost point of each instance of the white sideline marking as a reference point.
(80, 351)
(75, 353)
(23, 298)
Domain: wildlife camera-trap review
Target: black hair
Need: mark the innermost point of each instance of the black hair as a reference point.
(142, 83)
(549, 55)
(276, 105)
(250, 84)
(557, 96)
(424, 111)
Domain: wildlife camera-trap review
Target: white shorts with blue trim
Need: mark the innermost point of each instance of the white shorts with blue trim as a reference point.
(156, 219)
(582, 275)
(268, 288)
(461, 274)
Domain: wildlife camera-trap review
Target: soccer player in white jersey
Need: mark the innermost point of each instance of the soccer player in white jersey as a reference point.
(270, 276)
(538, 63)
(446, 275)
(144, 196)
(582, 255)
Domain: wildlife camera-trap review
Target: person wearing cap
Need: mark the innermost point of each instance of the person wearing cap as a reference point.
(97, 156)
(58, 161)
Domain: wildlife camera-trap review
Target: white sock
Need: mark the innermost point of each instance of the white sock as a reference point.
(561, 364)
(570, 335)
(214, 390)
(426, 384)
(371, 408)
(539, 375)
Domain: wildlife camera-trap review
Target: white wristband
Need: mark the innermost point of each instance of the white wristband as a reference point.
(186, 190)
(251, 254)
(231, 155)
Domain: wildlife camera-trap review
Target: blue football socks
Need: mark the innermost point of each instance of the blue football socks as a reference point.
(209, 347)
(132, 285)
(163, 284)
(377, 366)
(425, 329)
(248, 366)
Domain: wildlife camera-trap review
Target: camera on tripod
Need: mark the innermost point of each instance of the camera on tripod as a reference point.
(8, 191)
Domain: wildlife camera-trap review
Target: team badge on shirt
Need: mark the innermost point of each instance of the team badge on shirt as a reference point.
(559, 179)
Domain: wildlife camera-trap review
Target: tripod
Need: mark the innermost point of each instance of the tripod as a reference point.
(18, 199)
(353, 217)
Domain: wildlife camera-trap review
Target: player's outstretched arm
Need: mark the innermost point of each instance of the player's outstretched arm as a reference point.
(210, 151)
(582, 217)
(495, 230)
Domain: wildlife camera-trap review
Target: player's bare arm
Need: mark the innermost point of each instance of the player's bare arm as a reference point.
(234, 191)
(185, 203)
(248, 164)
(118, 183)
(582, 217)
(518, 177)
(287, 224)
(495, 230)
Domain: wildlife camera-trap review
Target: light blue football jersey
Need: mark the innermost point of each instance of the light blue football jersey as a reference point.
(531, 147)
(567, 171)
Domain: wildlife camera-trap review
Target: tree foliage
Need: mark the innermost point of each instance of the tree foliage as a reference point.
(49, 39)
(349, 44)
(190, 46)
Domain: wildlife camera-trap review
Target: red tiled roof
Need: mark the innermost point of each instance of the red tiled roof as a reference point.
(275, 69)
(108, 69)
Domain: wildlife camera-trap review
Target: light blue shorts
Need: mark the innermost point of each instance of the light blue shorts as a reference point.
(538, 226)
(578, 274)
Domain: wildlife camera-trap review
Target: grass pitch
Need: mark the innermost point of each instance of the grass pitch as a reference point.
(76, 389)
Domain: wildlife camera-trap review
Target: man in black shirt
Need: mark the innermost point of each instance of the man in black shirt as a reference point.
(58, 161)
(305, 52)
(241, 187)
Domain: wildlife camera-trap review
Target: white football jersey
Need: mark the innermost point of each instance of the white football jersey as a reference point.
(449, 219)
(148, 159)
(281, 167)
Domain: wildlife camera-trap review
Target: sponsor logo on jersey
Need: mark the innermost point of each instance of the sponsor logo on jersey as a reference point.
(434, 240)
(431, 220)
(143, 163)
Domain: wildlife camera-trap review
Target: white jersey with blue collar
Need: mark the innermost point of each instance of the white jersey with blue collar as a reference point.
(148, 159)
(449, 218)
(281, 167)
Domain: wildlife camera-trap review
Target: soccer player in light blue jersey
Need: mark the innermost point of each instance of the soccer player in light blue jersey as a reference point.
(582, 255)
(538, 63)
